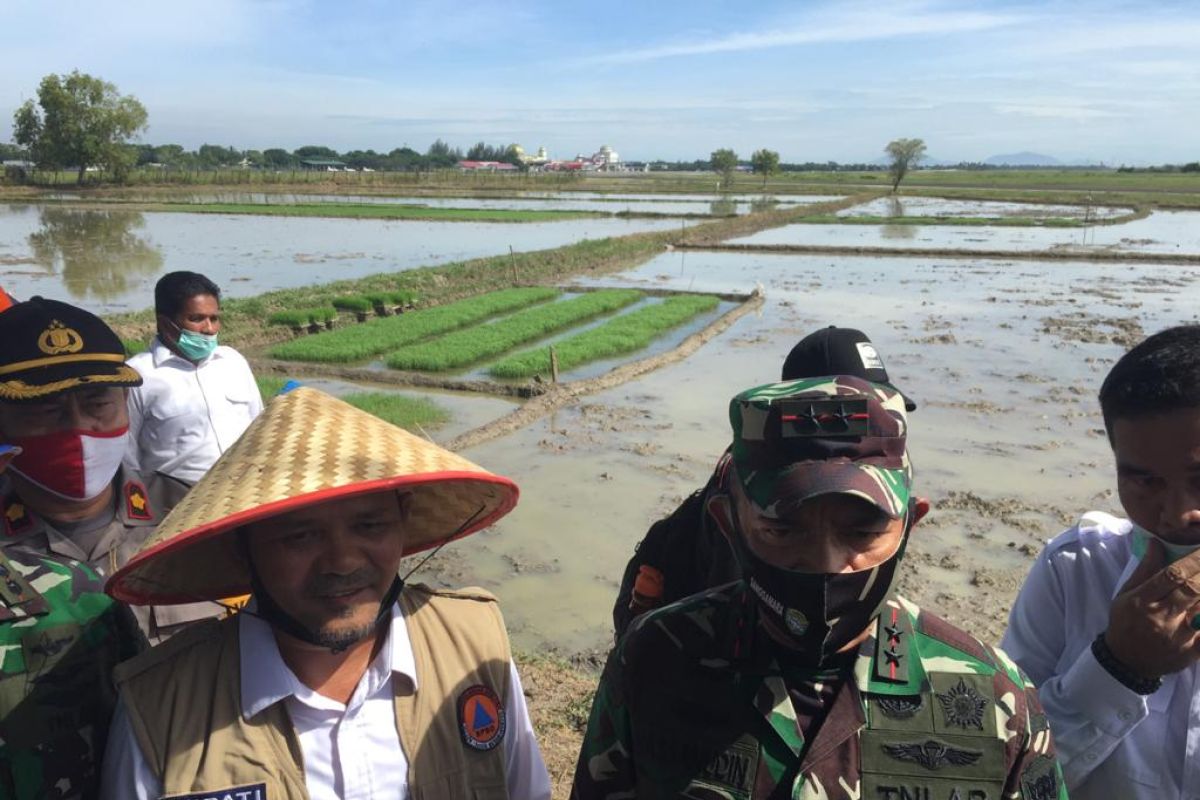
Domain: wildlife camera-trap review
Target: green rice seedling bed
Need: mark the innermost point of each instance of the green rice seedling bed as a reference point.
(411, 413)
(300, 317)
(625, 334)
(355, 303)
(382, 335)
(466, 346)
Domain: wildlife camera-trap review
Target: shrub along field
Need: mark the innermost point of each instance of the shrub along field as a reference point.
(625, 334)
(390, 333)
(467, 346)
(410, 413)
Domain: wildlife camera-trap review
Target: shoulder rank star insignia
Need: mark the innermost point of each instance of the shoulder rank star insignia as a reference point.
(963, 707)
(932, 754)
(16, 518)
(137, 505)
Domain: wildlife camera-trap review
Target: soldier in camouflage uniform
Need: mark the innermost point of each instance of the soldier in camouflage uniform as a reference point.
(806, 678)
(60, 637)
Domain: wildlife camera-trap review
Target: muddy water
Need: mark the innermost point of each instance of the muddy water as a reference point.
(559, 201)
(110, 260)
(937, 206)
(1173, 232)
(1004, 359)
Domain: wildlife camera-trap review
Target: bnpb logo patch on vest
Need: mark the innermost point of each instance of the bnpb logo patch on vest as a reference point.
(481, 718)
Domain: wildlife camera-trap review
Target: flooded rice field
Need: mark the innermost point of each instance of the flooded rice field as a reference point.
(940, 207)
(110, 260)
(1004, 360)
(1165, 232)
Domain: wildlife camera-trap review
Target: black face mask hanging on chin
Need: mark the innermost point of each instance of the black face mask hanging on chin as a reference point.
(816, 614)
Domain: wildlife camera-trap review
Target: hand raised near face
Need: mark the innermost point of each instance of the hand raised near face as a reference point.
(1150, 622)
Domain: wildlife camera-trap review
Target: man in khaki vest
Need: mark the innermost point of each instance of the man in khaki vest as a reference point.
(337, 680)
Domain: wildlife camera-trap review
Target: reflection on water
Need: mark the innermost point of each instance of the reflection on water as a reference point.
(764, 203)
(95, 252)
(722, 207)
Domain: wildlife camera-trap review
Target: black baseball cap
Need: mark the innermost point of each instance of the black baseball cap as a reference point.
(48, 347)
(838, 351)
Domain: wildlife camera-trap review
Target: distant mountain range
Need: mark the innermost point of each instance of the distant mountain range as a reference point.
(1022, 159)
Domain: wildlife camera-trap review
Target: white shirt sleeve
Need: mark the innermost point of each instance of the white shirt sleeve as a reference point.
(133, 450)
(256, 403)
(126, 775)
(1090, 711)
(526, 771)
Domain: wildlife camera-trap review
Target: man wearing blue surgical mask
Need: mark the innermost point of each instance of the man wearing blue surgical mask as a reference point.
(197, 397)
(1108, 622)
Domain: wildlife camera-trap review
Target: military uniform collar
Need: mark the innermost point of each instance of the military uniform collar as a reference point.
(891, 664)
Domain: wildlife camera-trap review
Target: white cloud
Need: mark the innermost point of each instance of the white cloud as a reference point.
(849, 23)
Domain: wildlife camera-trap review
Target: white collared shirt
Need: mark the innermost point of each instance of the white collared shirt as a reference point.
(185, 415)
(351, 751)
(1112, 742)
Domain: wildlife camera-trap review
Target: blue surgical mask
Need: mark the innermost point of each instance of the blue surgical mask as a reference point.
(196, 346)
(1140, 539)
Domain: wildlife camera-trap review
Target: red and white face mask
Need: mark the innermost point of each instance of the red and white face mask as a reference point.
(75, 465)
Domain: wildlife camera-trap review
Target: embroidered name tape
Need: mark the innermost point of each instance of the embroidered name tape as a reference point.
(481, 718)
(253, 791)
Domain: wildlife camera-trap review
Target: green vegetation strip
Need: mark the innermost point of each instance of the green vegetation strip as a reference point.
(302, 316)
(1012, 222)
(467, 346)
(411, 413)
(625, 334)
(389, 333)
(375, 211)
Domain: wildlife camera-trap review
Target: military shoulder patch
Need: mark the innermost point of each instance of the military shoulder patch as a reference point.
(137, 502)
(481, 718)
(17, 518)
(252, 791)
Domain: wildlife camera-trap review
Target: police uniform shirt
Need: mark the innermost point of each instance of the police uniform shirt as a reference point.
(349, 751)
(137, 508)
(185, 415)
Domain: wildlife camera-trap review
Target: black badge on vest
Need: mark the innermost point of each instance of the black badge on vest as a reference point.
(481, 718)
(252, 791)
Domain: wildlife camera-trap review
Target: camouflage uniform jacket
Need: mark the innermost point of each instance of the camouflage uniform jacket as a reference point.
(692, 704)
(140, 506)
(60, 637)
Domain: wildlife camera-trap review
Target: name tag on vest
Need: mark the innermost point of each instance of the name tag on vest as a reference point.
(253, 791)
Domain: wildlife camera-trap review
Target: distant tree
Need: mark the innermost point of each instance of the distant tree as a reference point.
(904, 153)
(213, 156)
(1191, 166)
(441, 154)
(315, 151)
(12, 152)
(172, 155)
(80, 121)
(365, 158)
(724, 162)
(278, 158)
(765, 162)
(254, 158)
(405, 158)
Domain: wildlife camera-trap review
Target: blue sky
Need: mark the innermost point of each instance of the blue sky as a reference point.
(1117, 82)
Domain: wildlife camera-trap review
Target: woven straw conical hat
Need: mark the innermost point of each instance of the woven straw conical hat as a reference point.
(305, 448)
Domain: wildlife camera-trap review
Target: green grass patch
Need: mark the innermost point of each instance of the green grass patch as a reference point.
(390, 333)
(1006, 222)
(299, 317)
(625, 334)
(376, 211)
(269, 385)
(469, 345)
(411, 413)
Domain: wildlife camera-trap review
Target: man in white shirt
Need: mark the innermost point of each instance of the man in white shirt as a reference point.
(197, 396)
(338, 680)
(1107, 622)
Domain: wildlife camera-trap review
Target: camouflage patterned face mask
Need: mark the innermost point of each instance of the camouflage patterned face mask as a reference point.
(817, 614)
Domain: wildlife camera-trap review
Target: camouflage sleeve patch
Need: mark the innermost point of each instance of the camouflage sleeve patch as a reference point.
(605, 769)
(1036, 773)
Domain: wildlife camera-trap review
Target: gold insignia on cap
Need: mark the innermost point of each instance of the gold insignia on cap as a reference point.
(58, 340)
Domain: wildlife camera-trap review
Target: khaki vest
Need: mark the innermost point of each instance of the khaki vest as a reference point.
(184, 704)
